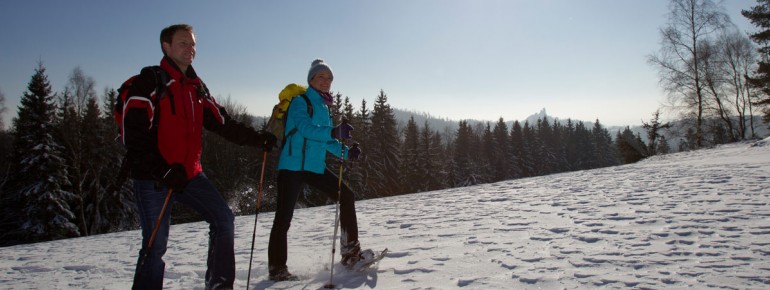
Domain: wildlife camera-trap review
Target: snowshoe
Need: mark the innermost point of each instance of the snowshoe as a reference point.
(363, 260)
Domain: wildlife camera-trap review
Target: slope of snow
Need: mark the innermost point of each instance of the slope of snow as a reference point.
(687, 220)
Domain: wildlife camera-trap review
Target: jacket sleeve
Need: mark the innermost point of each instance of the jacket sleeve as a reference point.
(143, 156)
(139, 134)
(216, 119)
(336, 148)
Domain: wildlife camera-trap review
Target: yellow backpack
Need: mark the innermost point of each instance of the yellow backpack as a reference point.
(277, 122)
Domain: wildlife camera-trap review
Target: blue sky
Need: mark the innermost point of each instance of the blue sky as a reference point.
(483, 59)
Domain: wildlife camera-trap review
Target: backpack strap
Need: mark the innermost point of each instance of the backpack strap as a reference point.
(309, 105)
(309, 112)
(161, 83)
(161, 79)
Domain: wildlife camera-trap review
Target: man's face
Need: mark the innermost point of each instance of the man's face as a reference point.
(182, 48)
(322, 81)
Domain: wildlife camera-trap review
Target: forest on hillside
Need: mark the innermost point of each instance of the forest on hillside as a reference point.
(61, 160)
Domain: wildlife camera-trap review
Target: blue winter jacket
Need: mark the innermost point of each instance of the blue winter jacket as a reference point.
(305, 150)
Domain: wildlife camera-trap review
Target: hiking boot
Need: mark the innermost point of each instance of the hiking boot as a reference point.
(351, 257)
(282, 274)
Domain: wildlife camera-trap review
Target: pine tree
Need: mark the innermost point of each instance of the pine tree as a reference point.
(517, 151)
(529, 151)
(359, 177)
(465, 170)
(559, 146)
(760, 16)
(41, 170)
(584, 149)
(384, 154)
(546, 149)
(502, 154)
(411, 179)
(605, 151)
(430, 171)
(630, 147)
(487, 155)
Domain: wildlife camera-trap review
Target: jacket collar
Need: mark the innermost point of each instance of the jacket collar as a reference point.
(173, 70)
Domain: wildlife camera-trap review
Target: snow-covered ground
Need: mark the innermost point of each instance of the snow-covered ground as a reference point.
(687, 220)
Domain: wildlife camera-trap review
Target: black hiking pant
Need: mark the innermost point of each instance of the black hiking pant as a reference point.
(290, 185)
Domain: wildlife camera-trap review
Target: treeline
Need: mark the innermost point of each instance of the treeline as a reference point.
(60, 160)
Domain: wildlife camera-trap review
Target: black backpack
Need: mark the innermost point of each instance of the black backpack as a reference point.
(161, 82)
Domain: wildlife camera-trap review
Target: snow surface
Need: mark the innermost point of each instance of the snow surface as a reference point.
(687, 220)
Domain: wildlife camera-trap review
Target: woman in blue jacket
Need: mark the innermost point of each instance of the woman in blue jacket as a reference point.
(303, 161)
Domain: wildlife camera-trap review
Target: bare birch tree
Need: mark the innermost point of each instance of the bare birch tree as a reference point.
(690, 22)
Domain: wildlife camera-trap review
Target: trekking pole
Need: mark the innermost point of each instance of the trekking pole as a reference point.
(336, 217)
(155, 229)
(259, 199)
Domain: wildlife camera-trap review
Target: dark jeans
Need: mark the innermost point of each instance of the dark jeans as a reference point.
(201, 196)
(290, 184)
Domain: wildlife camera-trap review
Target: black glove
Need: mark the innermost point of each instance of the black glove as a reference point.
(354, 152)
(266, 140)
(175, 178)
(342, 131)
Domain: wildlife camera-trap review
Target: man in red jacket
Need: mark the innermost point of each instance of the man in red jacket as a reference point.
(163, 136)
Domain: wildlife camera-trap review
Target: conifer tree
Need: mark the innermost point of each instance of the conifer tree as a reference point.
(465, 171)
(585, 149)
(487, 154)
(384, 158)
(530, 149)
(410, 150)
(630, 147)
(358, 177)
(604, 148)
(572, 141)
(759, 15)
(41, 172)
(348, 112)
(502, 154)
(430, 170)
(546, 152)
(559, 145)
(517, 151)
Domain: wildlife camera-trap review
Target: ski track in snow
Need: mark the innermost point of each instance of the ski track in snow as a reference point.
(687, 220)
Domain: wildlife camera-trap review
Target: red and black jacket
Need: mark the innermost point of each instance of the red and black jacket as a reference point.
(164, 130)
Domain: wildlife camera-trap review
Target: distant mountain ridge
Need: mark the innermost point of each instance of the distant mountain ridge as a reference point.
(447, 126)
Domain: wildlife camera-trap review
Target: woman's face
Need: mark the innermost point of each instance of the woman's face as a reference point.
(322, 81)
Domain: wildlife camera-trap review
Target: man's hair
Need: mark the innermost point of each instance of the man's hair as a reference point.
(167, 34)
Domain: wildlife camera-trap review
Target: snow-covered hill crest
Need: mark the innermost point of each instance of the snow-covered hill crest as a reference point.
(688, 220)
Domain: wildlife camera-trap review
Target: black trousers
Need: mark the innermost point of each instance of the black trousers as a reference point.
(290, 185)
